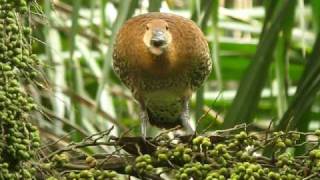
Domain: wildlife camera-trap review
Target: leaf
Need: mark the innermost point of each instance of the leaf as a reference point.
(208, 9)
(76, 81)
(315, 6)
(308, 86)
(297, 114)
(281, 58)
(123, 13)
(57, 74)
(215, 44)
(280, 76)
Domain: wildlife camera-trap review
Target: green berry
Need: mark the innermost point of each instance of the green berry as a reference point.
(162, 157)
(197, 140)
(128, 169)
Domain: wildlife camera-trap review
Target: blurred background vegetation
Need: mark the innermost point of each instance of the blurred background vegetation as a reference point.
(265, 56)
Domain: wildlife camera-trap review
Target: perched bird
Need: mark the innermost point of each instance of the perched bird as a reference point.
(162, 58)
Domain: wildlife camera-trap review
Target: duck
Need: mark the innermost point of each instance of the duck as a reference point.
(162, 58)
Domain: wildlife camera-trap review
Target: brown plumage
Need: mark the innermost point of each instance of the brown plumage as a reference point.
(162, 58)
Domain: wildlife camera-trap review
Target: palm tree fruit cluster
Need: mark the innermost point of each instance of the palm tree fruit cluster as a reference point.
(59, 161)
(237, 157)
(235, 154)
(19, 138)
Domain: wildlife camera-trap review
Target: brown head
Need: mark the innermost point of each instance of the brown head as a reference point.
(158, 44)
(157, 36)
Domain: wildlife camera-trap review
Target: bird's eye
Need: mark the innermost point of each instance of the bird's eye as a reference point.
(167, 27)
(147, 27)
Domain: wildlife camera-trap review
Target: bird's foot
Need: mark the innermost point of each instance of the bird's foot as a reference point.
(187, 126)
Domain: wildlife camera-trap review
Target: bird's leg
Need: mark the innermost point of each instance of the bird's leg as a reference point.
(144, 117)
(185, 116)
(143, 114)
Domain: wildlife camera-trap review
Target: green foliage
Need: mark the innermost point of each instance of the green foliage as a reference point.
(248, 95)
(308, 87)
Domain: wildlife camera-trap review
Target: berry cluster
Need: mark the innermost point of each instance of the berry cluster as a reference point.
(91, 174)
(143, 164)
(238, 156)
(19, 138)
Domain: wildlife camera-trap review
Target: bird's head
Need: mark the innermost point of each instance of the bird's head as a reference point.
(157, 36)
